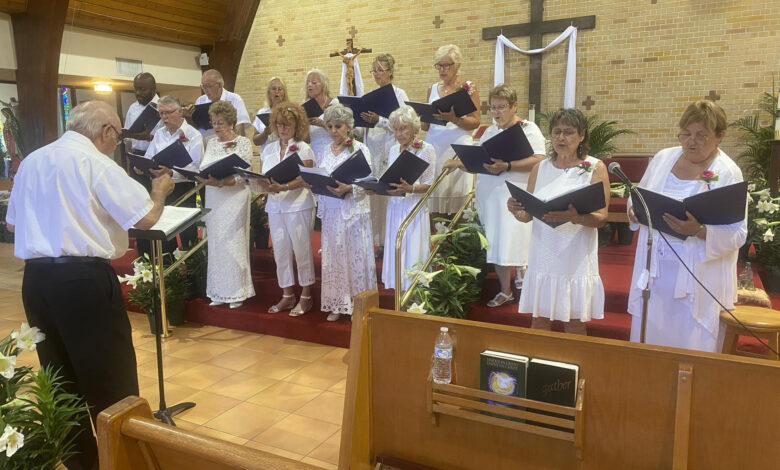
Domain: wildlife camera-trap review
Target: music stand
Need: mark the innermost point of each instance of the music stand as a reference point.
(156, 236)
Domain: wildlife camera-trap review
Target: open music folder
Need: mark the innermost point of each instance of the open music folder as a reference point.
(312, 108)
(174, 155)
(382, 101)
(201, 116)
(173, 220)
(585, 199)
(283, 172)
(265, 118)
(719, 206)
(407, 166)
(219, 169)
(508, 145)
(353, 168)
(148, 119)
(460, 101)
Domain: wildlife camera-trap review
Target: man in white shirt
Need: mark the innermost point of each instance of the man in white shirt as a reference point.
(174, 128)
(71, 207)
(145, 88)
(212, 85)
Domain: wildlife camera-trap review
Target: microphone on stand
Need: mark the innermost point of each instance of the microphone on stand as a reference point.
(644, 279)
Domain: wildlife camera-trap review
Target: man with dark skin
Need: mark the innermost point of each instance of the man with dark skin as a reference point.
(145, 88)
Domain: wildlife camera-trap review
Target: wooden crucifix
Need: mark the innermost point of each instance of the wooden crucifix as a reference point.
(348, 55)
(535, 29)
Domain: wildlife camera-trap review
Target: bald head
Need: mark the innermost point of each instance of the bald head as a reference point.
(145, 87)
(97, 121)
(212, 84)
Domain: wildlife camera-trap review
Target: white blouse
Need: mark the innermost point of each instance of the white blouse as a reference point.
(293, 200)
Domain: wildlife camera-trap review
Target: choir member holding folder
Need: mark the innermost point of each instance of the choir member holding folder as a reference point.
(275, 93)
(680, 312)
(451, 193)
(290, 207)
(137, 140)
(348, 266)
(175, 128)
(228, 276)
(509, 239)
(316, 89)
(562, 280)
(404, 196)
(212, 83)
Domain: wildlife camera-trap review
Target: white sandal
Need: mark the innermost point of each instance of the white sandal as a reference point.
(297, 311)
(275, 309)
(500, 299)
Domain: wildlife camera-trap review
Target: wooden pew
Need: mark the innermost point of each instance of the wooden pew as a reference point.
(129, 438)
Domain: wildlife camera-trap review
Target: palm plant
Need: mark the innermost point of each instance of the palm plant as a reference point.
(757, 139)
(601, 134)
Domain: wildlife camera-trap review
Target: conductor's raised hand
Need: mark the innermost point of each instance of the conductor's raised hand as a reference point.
(448, 116)
(569, 215)
(162, 184)
(497, 166)
(341, 189)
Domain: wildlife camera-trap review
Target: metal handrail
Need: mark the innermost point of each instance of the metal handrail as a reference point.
(401, 296)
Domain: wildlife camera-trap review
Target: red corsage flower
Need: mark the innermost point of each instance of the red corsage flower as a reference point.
(585, 166)
(230, 145)
(417, 145)
(350, 145)
(293, 148)
(183, 138)
(708, 176)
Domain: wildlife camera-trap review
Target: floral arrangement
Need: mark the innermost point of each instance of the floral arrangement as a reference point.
(763, 221)
(37, 416)
(140, 282)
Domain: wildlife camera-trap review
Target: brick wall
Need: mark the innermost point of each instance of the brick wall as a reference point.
(644, 62)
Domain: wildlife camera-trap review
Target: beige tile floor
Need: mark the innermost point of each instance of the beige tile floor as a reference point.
(275, 394)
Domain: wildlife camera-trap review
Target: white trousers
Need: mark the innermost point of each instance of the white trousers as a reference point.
(291, 235)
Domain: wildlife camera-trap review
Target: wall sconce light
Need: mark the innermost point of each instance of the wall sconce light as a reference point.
(103, 87)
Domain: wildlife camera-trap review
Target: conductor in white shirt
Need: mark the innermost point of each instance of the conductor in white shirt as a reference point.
(213, 84)
(71, 207)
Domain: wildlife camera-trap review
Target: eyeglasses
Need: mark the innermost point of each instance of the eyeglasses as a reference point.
(208, 85)
(698, 138)
(220, 124)
(443, 66)
(377, 71)
(499, 108)
(166, 113)
(556, 133)
(118, 134)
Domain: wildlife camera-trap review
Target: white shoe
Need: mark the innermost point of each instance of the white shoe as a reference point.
(214, 303)
(333, 317)
(236, 304)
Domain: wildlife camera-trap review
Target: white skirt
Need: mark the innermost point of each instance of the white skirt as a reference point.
(416, 242)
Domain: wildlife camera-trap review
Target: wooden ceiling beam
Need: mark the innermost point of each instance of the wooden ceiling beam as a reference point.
(135, 17)
(100, 23)
(141, 11)
(229, 46)
(13, 6)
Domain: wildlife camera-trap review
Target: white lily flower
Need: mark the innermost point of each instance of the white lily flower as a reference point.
(416, 308)
(769, 235)
(483, 242)
(760, 222)
(763, 193)
(752, 187)
(441, 228)
(7, 366)
(470, 269)
(11, 441)
(146, 275)
(763, 206)
(27, 337)
(469, 213)
(177, 253)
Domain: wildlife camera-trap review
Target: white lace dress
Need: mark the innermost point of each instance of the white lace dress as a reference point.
(451, 193)
(562, 281)
(319, 138)
(229, 278)
(416, 244)
(348, 265)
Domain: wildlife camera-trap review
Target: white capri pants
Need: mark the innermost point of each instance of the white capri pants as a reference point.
(291, 235)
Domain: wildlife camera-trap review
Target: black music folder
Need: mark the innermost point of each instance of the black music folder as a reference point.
(148, 119)
(142, 163)
(353, 168)
(265, 118)
(586, 200)
(508, 145)
(173, 155)
(407, 166)
(382, 101)
(320, 180)
(201, 116)
(219, 169)
(312, 108)
(283, 172)
(460, 101)
(719, 206)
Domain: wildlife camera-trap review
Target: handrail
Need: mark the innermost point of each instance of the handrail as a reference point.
(403, 298)
(189, 193)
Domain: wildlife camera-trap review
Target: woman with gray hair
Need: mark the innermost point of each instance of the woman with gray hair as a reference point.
(348, 266)
(416, 245)
(317, 87)
(451, 193)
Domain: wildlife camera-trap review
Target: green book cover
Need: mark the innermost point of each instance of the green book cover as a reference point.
(503, 373)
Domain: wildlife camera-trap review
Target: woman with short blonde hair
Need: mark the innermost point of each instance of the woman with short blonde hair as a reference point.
(317, 87)
(275, 93)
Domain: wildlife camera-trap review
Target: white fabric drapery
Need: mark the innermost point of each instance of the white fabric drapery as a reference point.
(343, 90)
(571, 65)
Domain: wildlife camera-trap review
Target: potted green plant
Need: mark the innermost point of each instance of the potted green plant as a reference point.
(196, 269)
(763, 222)
(757, 138)
(141, 291)
(37, 415)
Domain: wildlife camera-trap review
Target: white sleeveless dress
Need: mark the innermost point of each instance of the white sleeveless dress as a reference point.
(451, 193)
(562, 281)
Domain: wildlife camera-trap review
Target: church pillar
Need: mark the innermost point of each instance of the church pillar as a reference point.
(226, 54)
(37, 41)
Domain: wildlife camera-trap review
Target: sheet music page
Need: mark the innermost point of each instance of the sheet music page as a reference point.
(173, 217)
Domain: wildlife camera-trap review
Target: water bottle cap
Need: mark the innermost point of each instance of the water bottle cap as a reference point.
(444, 329)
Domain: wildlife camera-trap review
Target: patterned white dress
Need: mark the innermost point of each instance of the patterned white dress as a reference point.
(451, 193)
(416, 244)
(228, 277)
(562, 281)
(348, 265)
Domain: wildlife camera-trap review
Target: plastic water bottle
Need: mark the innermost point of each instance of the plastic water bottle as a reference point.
(442, 358)
(746, 278)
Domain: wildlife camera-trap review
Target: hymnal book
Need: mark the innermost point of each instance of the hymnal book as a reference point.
(147, 120)
(503, 373)
(407, 166)
(312, 108)
(586, 200)
(352, 169)
(382, 101)
(265, 118)
(319, 180)
(173, 155)
(142, 163)
(719, 206)
(508, 145)
(460, 101)
(219, 169)
(283, 172)
(201, 116)
(552, 382)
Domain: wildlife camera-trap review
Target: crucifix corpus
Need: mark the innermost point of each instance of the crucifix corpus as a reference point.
(348, 55)
(535, 29)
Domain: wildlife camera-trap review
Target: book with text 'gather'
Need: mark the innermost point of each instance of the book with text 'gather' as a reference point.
(219, 169)
(407, 166)
(508, 145)
(353, 168)
(585, 199)
(503, 373)
(312, 108)
(552, 382)
(459, 101)
(381, 101)
(201, 116)
(147, 120)
(282, 173)
(719, 206)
